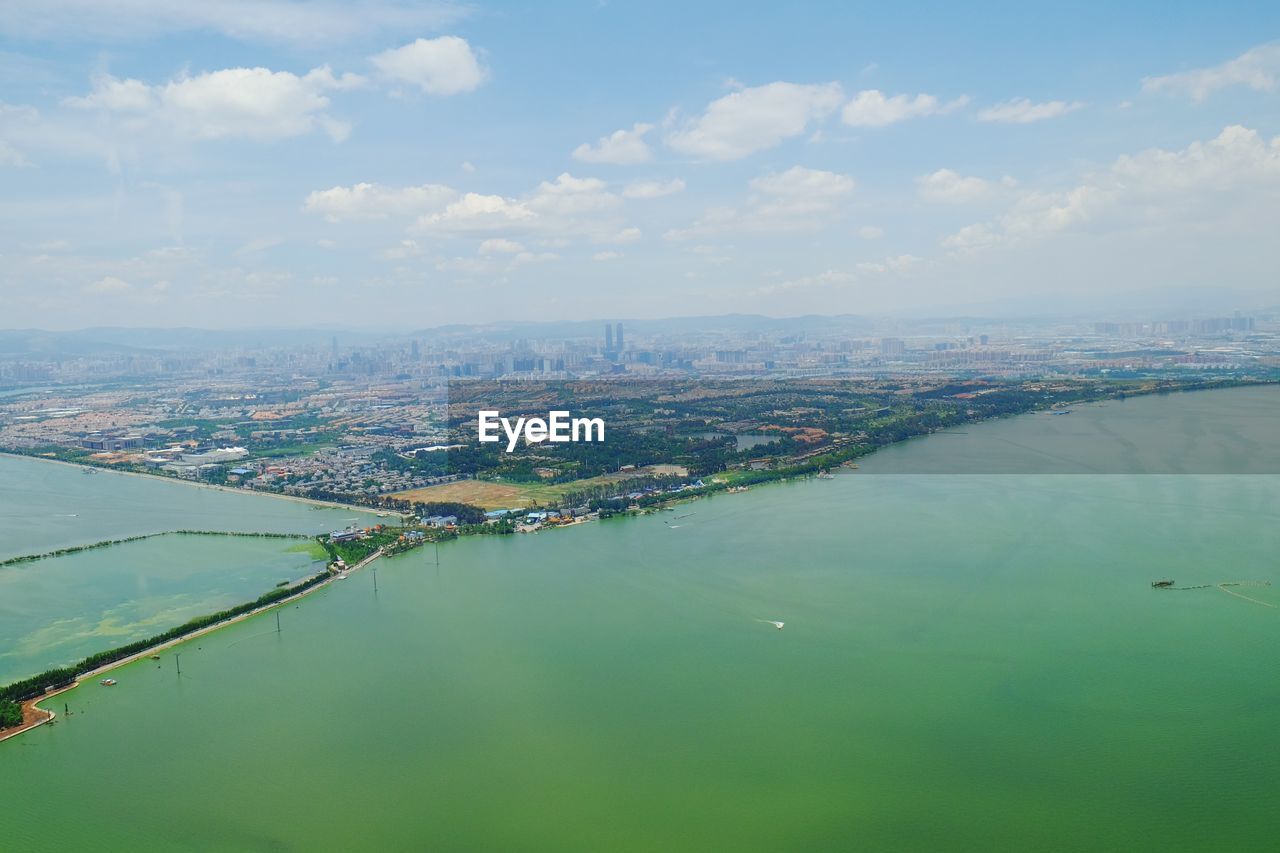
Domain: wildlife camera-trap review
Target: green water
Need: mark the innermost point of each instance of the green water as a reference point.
(58, 611)
(44, 507)
(1230, 431)
(970, 662)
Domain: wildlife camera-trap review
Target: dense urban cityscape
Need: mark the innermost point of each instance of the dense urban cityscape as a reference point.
(366, 417)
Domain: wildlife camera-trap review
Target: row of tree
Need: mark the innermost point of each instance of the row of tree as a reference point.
(36, 685)
(107, 543)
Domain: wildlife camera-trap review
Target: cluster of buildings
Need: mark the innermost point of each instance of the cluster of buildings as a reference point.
(712, 348)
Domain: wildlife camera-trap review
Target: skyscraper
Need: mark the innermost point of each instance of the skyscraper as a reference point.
(608, 338)
(618, 337)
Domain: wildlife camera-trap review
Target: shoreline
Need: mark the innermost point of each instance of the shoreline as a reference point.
(214, 486)
(1244, 383)
(33, 705)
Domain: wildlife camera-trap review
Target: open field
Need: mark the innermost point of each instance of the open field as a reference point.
(495, 495)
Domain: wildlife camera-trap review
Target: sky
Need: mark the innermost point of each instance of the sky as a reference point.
(388, 164)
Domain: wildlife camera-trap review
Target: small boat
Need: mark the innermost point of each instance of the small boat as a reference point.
(1161, 584)
(155, 657)
(108, 682)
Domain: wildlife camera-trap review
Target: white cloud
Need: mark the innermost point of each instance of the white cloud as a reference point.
(799, 182)
(891, 264)
(110, 93)
(567, 195)
(951, 187)
(257, 245)
(438, 66)
(795, 200)
(620, 148)
(109, 284)
(827, 278)
(870, 108)
(870, 232)
(12, 157)
(498, 245)
(568, 206)
(248, 103)
(754, 119)
(971, 238)
(533, 258)
(373, 201)
(1257, 69)
(1023, 111)
(288, 21)
(605, 256)
(652, 189)
(477, 212)
(1232, 178)
(12, 120)
(625, 235)
(403, 250)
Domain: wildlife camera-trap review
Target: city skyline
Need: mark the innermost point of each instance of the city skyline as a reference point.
(489, 163)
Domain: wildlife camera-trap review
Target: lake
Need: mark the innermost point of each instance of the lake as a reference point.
(970, 661)
(57, 611)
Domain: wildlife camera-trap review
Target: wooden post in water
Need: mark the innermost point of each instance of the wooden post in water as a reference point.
(277, 621)
(177, 661)
(375, 580)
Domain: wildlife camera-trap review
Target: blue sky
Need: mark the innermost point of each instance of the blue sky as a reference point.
(393, 164)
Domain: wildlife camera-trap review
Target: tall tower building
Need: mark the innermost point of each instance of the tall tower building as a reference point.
(608, 338)
(618, 337)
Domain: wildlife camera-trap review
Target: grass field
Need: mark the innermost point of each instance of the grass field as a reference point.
(491, 495)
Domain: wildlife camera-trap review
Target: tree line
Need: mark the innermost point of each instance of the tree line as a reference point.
(37, 685)
(107, 543)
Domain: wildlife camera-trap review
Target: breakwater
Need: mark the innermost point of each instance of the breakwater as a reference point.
(107, 543)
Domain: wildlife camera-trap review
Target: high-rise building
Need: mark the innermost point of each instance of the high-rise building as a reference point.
(618, 337)
(608, 337)
(892, 346)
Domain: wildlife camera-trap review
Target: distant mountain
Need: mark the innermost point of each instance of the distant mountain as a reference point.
(682, 326)
(18, 343)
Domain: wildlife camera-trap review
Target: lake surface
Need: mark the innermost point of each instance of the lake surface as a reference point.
(58, 611)
(44, 506)
(1229, 431)
(970, 662)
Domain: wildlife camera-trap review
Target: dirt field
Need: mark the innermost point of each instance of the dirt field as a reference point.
(515, 495)
(476, 492)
